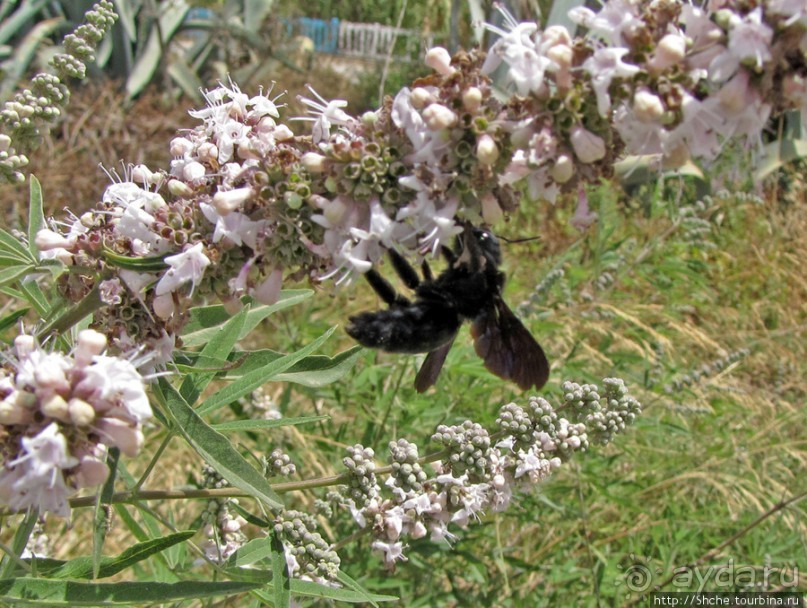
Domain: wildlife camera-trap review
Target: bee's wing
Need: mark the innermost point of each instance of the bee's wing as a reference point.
(507, 348)
(432, 364)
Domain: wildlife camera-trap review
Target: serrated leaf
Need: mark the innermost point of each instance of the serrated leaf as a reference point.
(54, 593)
(204, 320)
(36, 215)
(150, 264)
(254, 425)
(82, 567)
(251, 381)
(314, 371)
(216, 449)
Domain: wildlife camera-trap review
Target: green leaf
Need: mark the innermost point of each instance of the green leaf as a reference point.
(103, 511)
(251, 552)
(280, 571)
(20, 540)
(778, 153)
(53, 593)
(310, 589)
(158, 38)
(251, 381)
(314, 371)
(126, 13)
(188, 80)
(253, 425)
(15, 24)
(216, 449)
(12, 249)
(82, 567)
(12, 274)
(36, 217)
(150, 264)
(219, 347)
(11, 318)
(353, 584)
(205, 320)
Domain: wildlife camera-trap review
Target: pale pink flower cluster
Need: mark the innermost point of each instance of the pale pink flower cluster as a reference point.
(246, 203)
(532, 444)
(59, 414)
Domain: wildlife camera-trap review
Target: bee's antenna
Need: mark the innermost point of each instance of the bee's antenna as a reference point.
(515, 241)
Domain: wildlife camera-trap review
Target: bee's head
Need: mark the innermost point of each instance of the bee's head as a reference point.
(475, 245)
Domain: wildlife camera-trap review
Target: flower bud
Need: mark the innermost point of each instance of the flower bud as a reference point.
(283, 133)
(670, 51)
(24, 345)
(313, 162)
(193, 171)
(439, 60)
(587, 146)
(486, 150)
(563, 169)
(179, 189)
(472, 99)
(47, 239)
(228, 201)
(438, 117)
(421, 97)
(91, 342)
(5, 142)
(207, 152)
(13, 410)
(91, 472)
(163, 306)
(647, 107)
(55, 407)
(180, 146)
(81, 413)
(117, 433)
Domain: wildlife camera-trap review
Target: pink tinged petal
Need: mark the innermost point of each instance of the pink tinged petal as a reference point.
(587, 146)
(89, 344)
(231, 200)
(91, 472)
(268, 292)
(117, 433)
(438, 117)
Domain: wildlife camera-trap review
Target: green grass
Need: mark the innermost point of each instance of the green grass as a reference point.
(702, 463)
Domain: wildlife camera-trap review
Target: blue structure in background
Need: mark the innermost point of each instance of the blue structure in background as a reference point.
(324, 34)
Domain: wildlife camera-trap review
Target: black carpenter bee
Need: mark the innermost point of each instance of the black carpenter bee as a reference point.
(469, 289)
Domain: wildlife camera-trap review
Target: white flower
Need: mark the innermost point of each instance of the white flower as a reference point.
(112, 383)
(186, 266)
(605, 65)
(327, 113)
(392, 552)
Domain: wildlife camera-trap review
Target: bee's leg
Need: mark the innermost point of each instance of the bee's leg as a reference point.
(449, 255)
(427, 271)
(385, 290)
(404, 269)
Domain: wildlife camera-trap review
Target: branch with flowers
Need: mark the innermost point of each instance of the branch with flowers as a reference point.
(247, 204)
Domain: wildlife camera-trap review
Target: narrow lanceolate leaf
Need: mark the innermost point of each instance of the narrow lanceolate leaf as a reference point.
(216, 449)
(150, 264)
(103, 512)
(219, 347)
(82, 567)
(251, 552)
(57, 593)
(280, 572)
(254, 425)
(12, 249)
(251, 381)
(36, 215)
(309, 589)
(8, 276)
(12, 318)
(314, 371)
(205, 320)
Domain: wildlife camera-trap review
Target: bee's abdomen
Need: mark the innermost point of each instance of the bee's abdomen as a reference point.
(420, 328)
